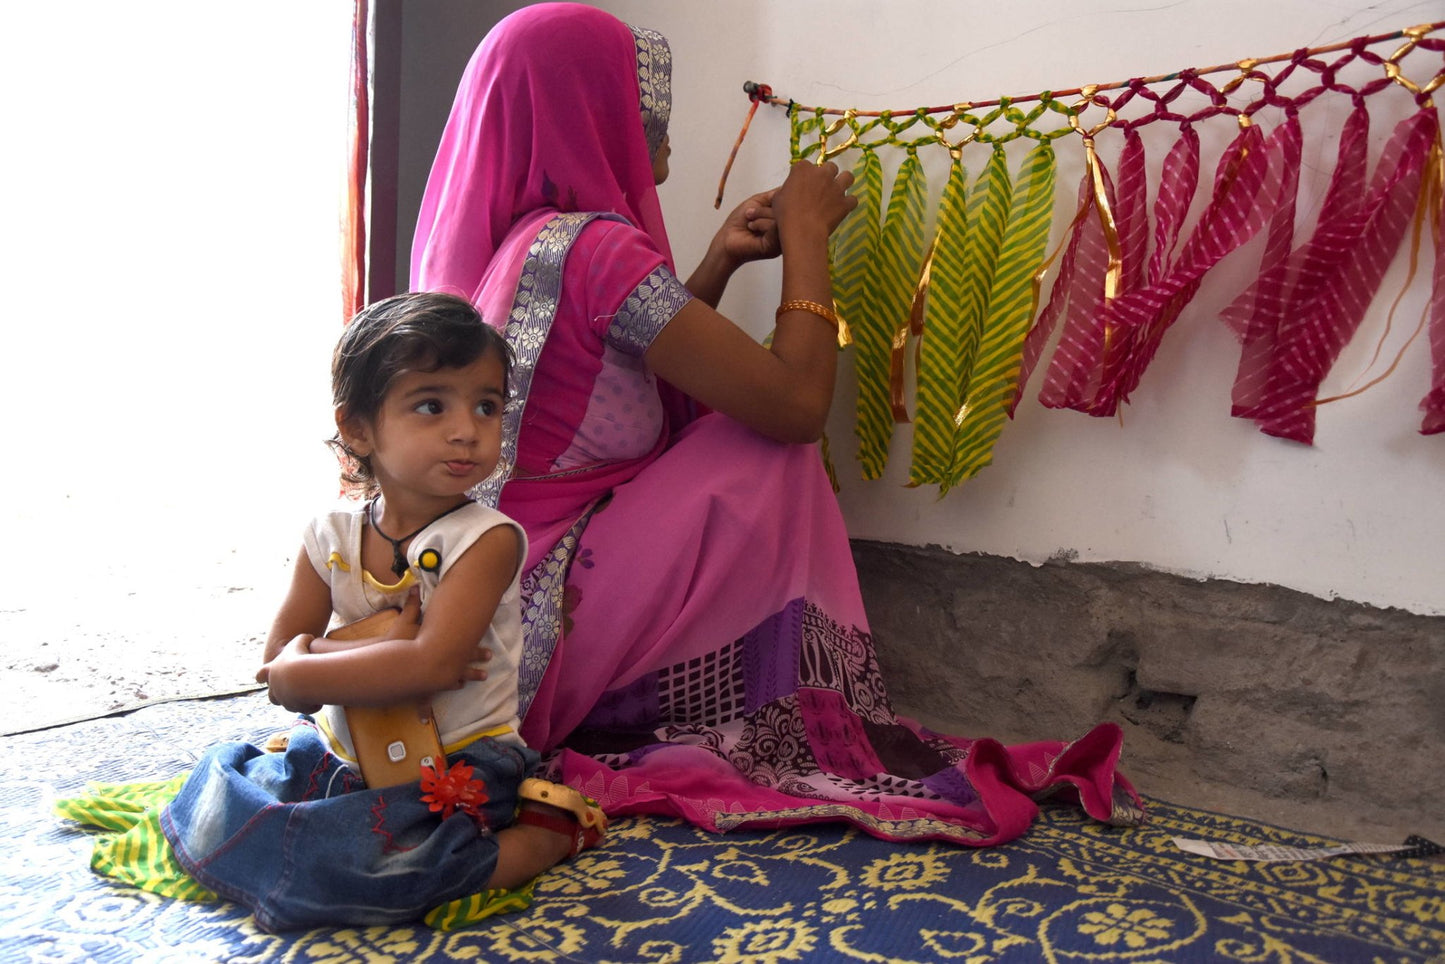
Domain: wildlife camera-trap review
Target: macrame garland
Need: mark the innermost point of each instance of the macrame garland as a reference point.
(966, 291)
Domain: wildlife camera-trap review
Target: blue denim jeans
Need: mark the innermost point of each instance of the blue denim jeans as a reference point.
(299, 839)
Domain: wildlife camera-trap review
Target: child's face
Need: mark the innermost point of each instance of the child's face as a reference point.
(438, 433)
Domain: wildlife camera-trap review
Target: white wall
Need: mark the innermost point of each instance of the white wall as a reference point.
(1179, 485)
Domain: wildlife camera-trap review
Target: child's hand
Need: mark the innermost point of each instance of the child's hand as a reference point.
(477, 668)
(408, 622)
(274, 674)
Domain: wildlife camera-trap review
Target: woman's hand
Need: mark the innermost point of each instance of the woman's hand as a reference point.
(750, 232)
(812, 202)
(815, 198)
(783, 391)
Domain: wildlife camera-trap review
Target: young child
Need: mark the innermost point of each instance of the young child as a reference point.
(419, 383)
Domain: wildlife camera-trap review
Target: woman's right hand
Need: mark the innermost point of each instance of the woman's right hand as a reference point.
(783, 391)
(812, 202)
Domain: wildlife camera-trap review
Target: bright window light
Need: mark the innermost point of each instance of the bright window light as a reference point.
(172, 189)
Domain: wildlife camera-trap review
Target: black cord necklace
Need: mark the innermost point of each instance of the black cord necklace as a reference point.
(399, 564)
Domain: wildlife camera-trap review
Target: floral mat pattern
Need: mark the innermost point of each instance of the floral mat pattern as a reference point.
(662, 891)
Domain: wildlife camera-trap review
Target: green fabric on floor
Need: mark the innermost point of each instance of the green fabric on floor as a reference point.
(136, 852)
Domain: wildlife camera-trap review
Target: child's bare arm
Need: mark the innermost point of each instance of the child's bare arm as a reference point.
(397, 670)
(305, 610)
(379, 626)
(387, 624)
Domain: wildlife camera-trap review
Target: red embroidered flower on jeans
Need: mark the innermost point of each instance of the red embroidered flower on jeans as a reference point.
(447, 791)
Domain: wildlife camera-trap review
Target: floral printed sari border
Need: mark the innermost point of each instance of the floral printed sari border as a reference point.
(534, 307)
(904, 828)
(544, 610)
(654, 81)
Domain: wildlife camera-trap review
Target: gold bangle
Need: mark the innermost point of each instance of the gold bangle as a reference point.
(812, 307)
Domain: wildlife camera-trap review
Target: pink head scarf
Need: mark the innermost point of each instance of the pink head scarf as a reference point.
(561, 107)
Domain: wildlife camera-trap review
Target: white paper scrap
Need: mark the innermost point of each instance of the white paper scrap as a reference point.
(1274, 852)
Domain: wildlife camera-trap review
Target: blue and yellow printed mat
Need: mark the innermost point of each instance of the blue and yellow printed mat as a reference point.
(661, 891)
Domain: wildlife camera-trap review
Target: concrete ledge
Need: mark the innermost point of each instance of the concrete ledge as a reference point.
(1266, 702)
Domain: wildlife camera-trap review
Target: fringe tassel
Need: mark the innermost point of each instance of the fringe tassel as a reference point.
(1336, 274)
(1433, 404)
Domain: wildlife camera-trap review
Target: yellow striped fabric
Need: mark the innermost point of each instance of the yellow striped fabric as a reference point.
(853, 245)
(465, 911)
(941, 373)
(135, 852)
(889, 283)
(993, 379)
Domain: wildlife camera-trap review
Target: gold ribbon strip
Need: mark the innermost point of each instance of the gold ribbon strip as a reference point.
(1093, 168)
(914, 324)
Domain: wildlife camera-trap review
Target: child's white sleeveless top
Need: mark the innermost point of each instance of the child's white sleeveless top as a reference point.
(480, 708)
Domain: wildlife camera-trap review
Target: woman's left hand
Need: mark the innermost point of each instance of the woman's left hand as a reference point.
(750, 232)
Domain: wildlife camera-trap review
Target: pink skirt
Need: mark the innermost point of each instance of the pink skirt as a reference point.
(711, 660)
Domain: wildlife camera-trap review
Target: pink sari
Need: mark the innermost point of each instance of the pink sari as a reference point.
(696, 641)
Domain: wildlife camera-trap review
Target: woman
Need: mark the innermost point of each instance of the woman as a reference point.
(696, 640)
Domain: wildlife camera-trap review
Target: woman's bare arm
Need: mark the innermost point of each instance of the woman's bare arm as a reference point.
(783, 392)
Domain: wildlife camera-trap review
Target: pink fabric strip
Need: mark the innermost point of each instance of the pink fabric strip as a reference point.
(1073, 369)
(1256, 315)
(1132, 213)
(1433, 404)
(1305, 269)
(1178, 183)
(1132, 217)
(1042, 331)
(1139, 319)
(1347, 261)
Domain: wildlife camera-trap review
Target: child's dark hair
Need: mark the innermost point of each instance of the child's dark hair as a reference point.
(418, 332)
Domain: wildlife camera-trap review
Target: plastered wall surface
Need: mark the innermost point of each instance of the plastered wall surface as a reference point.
(1175, 483)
